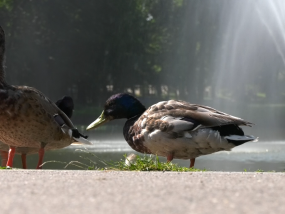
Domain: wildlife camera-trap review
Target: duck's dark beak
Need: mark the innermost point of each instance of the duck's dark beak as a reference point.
(98, 122)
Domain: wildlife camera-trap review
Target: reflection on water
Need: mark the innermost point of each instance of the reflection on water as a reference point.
(267, 156)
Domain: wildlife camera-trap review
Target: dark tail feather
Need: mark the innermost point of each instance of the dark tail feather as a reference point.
(230, 129)
(77, 134)
(239, 140)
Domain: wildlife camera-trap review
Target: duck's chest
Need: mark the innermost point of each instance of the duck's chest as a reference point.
(134, 138)
(23, 120)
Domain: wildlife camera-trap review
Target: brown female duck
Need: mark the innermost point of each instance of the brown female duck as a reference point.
(29, 119)
(174, 129)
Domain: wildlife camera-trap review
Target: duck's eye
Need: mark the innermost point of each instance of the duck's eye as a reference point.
(108, 112)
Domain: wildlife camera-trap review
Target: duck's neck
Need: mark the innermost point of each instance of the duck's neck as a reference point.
(135, 112)
(130, 122)
(133, 137)
(133, 115)
(2, 56)
(2, 73)
(128, 133)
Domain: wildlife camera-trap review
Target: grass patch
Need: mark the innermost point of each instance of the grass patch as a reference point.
(4, 167)
(139, 163)
(147, 163)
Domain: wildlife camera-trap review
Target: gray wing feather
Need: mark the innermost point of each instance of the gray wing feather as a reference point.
(204, 115)
(178, 125)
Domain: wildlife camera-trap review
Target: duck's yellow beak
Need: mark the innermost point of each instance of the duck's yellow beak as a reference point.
(98, 122)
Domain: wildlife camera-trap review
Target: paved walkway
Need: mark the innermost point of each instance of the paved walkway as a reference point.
(58, 191)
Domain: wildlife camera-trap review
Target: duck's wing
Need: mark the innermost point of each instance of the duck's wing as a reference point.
(49, 109)
(38, 99)
(180, 127)
(190, 115)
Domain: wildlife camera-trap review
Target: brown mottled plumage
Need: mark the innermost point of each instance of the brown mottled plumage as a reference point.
(65, 104)
(174, 129)
(132, 136)
(29, 119)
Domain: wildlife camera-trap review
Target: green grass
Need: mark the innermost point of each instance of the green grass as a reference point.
(4, 167)
(140, 163)
(147, 163)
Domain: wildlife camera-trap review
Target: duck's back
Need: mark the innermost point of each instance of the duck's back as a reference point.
(203, 115)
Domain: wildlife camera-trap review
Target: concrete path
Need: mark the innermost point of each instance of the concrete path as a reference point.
(58, 191)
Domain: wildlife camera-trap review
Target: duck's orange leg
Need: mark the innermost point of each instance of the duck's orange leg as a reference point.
(24, 161)
(11, 155)
(169, 157)
(41, 158)
(4, 158)
(192, 162)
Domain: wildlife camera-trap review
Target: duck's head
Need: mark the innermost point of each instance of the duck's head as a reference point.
(66, 105)
(118, 106)
(68, 102)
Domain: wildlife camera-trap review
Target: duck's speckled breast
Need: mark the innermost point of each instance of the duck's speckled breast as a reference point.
(132, 136)
(26, 118)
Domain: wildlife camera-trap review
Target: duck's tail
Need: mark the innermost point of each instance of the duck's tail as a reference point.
(2, 53)
(81, 141)
(238, 140)
(80, 138)
(76, 135)
(72, 132)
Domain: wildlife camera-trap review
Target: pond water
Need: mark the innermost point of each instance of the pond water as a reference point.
(253, 156)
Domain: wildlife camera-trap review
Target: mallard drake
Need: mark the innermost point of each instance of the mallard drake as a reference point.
(65, 104)
(30, 119)
(174, 129)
